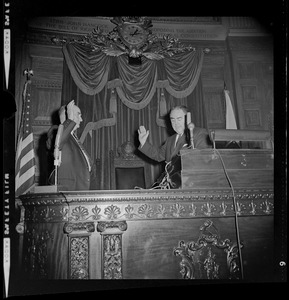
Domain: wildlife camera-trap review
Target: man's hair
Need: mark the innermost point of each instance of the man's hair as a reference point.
(180, 107)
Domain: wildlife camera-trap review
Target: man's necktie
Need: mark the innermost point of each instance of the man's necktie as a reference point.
(178, 140)
(176, 147)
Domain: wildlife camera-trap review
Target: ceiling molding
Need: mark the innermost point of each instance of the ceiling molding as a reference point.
(188, 29)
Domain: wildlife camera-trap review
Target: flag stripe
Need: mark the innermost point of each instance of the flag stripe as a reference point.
(27, 166)
(24, 143)
(26, 158)
(27, 154)
(25, 176)
(27, 186)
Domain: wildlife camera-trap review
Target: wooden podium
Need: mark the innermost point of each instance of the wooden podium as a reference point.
(225, 168)
(230, 168)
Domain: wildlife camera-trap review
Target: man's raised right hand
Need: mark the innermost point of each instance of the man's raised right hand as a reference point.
(142, 135)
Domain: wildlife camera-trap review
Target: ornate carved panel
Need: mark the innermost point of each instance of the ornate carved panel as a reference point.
(112, 248)
(112, 256)
(79, 257)
(35, 258)
(78, 248)
(210, 257)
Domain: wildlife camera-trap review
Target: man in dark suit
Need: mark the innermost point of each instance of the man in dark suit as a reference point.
(169, 151)
(74, 171)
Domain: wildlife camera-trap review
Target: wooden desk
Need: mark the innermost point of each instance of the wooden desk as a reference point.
(148, 234)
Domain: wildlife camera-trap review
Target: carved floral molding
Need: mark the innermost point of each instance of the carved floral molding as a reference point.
(149, 210)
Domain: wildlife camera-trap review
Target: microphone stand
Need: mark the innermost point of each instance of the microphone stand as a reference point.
(191, 127)
(57, 153)
(57, 164)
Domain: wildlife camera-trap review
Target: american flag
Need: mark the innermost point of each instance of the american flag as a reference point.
(25, 156)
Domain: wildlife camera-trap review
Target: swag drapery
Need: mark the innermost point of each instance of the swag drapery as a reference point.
(115, 98)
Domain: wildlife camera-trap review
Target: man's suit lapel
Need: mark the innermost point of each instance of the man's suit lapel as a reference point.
(83, 151)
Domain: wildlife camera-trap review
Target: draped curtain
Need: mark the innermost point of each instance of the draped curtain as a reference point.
(115, 98)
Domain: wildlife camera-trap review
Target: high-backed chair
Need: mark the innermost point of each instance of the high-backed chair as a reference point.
(128, 171)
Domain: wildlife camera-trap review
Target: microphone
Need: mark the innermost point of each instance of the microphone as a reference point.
(191, 127)
(57, 152)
